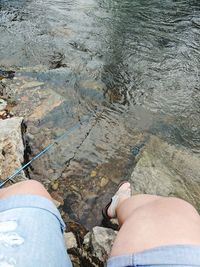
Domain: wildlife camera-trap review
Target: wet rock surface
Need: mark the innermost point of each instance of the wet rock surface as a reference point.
(167, 170)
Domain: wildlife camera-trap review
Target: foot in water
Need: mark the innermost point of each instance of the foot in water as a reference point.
(123, 193)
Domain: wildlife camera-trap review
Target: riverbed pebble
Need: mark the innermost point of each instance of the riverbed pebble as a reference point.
(70, 240)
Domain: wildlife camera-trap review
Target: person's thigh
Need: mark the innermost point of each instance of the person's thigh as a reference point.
(31, 233)
(165, 221)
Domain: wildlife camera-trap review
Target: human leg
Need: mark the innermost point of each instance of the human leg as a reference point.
(124, 193)
(150, 221)
(31, 228)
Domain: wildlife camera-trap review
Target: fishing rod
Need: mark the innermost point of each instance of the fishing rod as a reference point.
(46, 149)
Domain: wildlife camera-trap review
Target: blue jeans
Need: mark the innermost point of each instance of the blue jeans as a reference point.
(31, 233)
(163, 256)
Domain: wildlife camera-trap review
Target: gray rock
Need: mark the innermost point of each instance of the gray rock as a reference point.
(70, 240)
(75, 260)
(72, 249)
(166, 170)
(99, 242)
(11, 148)
(3, 104)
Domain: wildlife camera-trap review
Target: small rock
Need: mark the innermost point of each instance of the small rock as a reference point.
(11, 114)
(62, 213)
(99, 242)
(55, 185)
(70, 240)
(104, 181)
(57, 197)
(3, 113)
(93, 174)
(74, 188)
(3, 104)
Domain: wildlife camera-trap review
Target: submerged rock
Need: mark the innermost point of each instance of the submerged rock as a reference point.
(11, 148)
(164, 169)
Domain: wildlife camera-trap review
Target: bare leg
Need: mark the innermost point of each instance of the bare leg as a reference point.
(26, 187)
(148, 221)
(138, 200)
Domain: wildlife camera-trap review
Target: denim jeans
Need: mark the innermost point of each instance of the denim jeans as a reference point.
(163, 256)
(31, 233)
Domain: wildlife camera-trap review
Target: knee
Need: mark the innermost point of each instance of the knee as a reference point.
(26, 187)
(181, 205)
(34, 187)
(31, 184)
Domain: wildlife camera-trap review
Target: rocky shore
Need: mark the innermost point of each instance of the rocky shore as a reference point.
(157, 167)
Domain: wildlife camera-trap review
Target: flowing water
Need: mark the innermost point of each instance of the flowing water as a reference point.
(135, 61)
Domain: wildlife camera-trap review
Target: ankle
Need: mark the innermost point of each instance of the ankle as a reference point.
(121, 204)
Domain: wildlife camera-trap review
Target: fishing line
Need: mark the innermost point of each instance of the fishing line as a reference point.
(56, 141)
